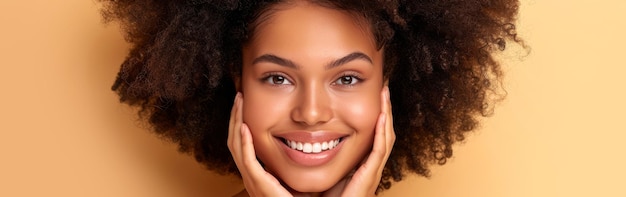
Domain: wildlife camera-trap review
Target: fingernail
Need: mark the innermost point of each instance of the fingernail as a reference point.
(238, 97)
(384, 117)
(387, 92)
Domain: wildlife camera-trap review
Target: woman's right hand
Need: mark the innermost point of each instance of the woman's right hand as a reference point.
(257, 181)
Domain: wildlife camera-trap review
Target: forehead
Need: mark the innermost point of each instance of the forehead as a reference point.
(309, 28)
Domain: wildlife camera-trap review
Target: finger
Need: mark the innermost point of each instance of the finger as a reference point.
(386, 107)
(233, 110)
(254, 169)
(379, 150)
(379, 146)
(232, 121)
(238, 119)
(248, 153)
(390, 136)
(234, 137)
(242, 161)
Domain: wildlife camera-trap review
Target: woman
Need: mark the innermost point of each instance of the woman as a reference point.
(314, 82)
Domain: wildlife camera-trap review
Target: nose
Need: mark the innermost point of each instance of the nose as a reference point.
(312, 106)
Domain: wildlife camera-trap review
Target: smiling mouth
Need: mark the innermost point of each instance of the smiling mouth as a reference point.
(316, 147)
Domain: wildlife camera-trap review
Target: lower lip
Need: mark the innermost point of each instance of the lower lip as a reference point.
(310, 159)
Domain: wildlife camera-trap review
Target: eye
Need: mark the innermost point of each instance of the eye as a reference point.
(276, 79)
(347, 80)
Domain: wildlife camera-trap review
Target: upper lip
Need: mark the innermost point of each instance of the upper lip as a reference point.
(310, 136)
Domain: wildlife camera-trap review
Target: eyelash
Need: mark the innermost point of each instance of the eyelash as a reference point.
(267, 78)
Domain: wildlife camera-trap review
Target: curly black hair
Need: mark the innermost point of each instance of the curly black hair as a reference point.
(438, 58)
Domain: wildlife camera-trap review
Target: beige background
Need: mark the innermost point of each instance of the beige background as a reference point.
(561, 132)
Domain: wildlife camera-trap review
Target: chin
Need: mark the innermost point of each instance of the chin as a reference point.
(311, 182)
(310, 188)
(312, 179)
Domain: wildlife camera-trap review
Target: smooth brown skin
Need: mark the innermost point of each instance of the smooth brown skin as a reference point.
(259, 182)
(311, 96)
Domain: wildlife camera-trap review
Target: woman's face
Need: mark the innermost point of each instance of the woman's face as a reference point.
(311, 84)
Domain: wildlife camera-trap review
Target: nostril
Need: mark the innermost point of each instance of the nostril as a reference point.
(312, 109)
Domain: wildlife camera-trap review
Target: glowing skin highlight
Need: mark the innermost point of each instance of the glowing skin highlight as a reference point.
(311, 75)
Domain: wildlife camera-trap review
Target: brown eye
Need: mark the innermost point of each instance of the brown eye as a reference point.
(277, 80)
(347, 80)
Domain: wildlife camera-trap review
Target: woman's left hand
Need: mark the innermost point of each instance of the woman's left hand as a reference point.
(365, 180)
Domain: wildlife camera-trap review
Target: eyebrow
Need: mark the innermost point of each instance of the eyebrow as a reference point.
(271, 58)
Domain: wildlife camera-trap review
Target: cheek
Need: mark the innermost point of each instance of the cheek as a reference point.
(262, 110)
(360, 112)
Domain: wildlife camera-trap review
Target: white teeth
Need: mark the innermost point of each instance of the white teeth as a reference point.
(307, 148)
(292, 144)
(317, 147)
(314, 147)
(299, 146)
